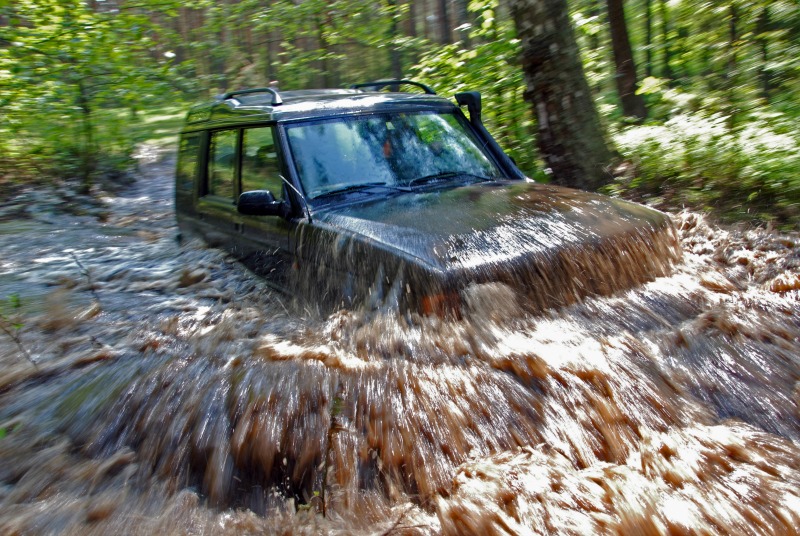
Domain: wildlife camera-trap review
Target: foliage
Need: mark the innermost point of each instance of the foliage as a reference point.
(8, 307)
(701, 161)
(63, 65)
(722, 102)
(300, 44)
(78, 77)
(490, 65)
(9, 429)
(11, 323)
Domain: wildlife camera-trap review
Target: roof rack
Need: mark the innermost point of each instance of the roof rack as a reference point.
(276, 98)
(377, 85)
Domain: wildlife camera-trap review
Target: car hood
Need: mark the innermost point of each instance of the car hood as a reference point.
(486, 224)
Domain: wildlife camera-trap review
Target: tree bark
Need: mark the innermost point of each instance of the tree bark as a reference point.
(666, 68)
(762, 39)
(625, 76)
(87, 134)
(571, 140)
(648, 37)
(411, 22)
(733, 42)
(444, 22)
(322, 48)
(465, 20)
(395, 59)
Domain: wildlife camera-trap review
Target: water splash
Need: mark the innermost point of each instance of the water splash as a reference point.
(195, 400)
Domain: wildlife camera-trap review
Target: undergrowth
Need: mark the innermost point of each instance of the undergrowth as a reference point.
(738, 165)
(37, 153)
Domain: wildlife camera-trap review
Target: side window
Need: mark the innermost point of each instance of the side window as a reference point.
(187, 162)
(222, 163)
(260, 169)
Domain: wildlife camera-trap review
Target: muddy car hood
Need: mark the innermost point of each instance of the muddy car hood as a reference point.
(491, 223)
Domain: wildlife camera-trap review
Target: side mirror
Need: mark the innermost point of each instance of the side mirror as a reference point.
(261, 203)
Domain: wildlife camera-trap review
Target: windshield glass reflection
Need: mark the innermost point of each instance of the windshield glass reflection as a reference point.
(392, 150)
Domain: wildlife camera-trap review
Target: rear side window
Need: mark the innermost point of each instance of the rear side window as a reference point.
(187, 162)
(222, 163)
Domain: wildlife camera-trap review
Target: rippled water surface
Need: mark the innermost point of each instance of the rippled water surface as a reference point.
(174, 393)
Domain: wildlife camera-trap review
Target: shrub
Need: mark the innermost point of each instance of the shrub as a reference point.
(701, 162)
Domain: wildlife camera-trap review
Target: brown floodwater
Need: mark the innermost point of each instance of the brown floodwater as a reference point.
(175, 393)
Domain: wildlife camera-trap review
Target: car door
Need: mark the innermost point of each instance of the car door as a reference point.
(216, 208)
(263, 241)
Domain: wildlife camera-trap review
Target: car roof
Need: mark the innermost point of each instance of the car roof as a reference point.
(259, 106)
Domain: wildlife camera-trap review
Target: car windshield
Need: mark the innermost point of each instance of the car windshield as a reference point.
(349, 154)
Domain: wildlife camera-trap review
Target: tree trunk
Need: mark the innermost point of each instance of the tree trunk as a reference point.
(762, 29)
(648, 38)
(733, 43)
(625, 76)
(322, 49)
(571, 139)
(465, 20)
(411, 22)
(270, 53)
(395, 59)
(87, 148)
(429, 30)
(666, 68)
(732, 70)
(444, 22)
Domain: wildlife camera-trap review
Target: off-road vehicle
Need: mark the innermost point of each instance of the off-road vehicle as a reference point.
(367, 196)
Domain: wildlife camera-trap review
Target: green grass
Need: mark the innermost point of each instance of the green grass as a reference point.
(42, 148)
(159, 126)
(117, 128)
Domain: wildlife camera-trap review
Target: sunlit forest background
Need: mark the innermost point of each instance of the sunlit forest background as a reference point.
(84, 83)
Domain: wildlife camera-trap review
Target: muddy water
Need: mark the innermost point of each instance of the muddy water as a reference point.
(174, 393)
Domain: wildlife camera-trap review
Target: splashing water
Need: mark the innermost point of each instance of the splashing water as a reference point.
(175, 393)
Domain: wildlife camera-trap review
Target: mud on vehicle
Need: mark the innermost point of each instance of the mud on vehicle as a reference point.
(363, 196)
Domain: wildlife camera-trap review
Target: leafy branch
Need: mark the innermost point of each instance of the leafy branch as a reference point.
(87, 275)
(12, 327)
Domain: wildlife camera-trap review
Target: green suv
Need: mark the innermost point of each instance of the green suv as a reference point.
(362, 196)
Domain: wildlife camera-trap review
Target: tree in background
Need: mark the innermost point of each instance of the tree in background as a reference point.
(490, 63)
(571, 139)
(625, 73)
(63, 64)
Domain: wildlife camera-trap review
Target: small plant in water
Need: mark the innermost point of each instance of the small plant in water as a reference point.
(5, 430)
(11, 325)
(337, 406)
(87, 275)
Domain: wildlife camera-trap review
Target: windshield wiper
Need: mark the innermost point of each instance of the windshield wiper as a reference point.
(359, 187)
(443, 175)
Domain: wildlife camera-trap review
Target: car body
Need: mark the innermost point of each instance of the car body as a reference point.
(360, 196)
